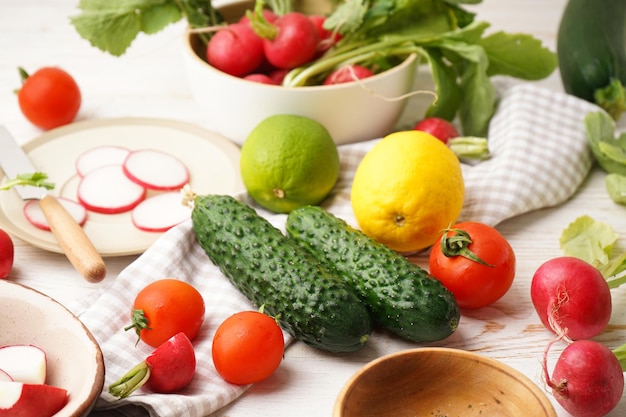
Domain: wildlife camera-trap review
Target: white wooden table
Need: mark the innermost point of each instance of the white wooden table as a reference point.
(149, 81)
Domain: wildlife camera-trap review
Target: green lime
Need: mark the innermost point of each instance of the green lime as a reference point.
(289, 161)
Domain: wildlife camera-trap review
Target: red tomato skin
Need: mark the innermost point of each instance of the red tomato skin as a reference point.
(49, 98)
(247, 347)
(171, 306)
(475, 285)
(6, 254)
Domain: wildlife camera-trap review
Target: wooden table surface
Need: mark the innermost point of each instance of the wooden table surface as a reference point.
(149, 81)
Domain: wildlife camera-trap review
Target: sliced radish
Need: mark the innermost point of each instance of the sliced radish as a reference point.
(156, 170)
(34, 214)
(100, 156)
(108, 190)
(161, 212)
(30, 400)
(5, 377)
(24, 363)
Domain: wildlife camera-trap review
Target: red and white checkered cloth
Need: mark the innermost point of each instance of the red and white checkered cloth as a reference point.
(539, 158)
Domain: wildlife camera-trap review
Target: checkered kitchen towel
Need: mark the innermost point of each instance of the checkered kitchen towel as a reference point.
(539, 158)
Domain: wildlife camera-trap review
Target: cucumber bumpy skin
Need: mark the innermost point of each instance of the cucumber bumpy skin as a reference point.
(275, 272)
(402, 297)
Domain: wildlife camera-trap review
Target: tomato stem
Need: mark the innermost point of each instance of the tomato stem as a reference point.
(139, 321)
(458, 245)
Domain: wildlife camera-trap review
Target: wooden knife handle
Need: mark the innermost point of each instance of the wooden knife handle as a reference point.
(72, 238)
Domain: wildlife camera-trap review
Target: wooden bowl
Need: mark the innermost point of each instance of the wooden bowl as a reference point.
(440, 382)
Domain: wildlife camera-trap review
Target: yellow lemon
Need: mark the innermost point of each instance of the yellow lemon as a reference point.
(289, 161)
(407, 189)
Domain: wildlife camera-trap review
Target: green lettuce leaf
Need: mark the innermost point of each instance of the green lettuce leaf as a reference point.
(589, 240)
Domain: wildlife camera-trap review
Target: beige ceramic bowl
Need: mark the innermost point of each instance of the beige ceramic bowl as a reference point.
(74, 359)
(430, 382)
(351, 112)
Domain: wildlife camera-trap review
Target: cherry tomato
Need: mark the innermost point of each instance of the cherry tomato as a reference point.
(164, 308)
(247, 347)
(6, 254)
(49, 97)
(475, 262)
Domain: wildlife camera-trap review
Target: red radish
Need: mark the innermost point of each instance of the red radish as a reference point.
(100, 156)
(289, 41)
(4, 376)
(24, 363)
(235, 49)
(156, 170)
(108, 190)
(328, 38)
(587, 380)
(169, 368)
(439, 128)
(348, 73)
(260, 78)
(160, 212)
(7, 252)
(571, 297)
(18, 399)
(278, 75)
(34, 214)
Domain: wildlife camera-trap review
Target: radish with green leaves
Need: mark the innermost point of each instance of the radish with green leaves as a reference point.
(587, 380)
(571, 297)
(170, 368)
(235, 49)
(438, 127)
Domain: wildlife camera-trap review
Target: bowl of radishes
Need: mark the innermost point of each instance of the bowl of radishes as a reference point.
(238, 82)
(50, 364)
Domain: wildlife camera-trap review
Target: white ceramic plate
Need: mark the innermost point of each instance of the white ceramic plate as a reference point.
(212, 160)
(74, 358)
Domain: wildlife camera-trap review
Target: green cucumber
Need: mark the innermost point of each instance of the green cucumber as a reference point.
(591, 47)
(273, 271)
(401, 296)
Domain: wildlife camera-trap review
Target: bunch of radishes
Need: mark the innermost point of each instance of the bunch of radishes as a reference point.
(23, 388)
(263, 46)
(573, 299)
(115, 179)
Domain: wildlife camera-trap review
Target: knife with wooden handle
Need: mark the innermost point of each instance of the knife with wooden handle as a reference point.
(70, 236)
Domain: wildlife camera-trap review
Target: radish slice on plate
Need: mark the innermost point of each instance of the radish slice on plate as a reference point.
(5, 377)
(24, 363)
(108, 190)
(156, 170)
(34, 214)
(161, 212)
(100, 156)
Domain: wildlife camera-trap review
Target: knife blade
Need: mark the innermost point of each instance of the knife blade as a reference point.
(76, 245)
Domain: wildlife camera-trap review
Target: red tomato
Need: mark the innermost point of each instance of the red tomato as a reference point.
(6, 254)
(247, 347)
(164, 308)
(49, 98)
(474, 284)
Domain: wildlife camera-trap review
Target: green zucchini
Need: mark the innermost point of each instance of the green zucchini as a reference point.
(591, 47)
(401, 296)
(273, 271)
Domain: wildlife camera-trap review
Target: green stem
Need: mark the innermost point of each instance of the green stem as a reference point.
(130, 381)
(616, 280)
(469, 147)
(458, 245)
(259, 23)
(36, 179)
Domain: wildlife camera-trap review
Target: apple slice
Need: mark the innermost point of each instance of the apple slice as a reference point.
(24, 363)
(156, 170)
(34, 214)
(107, 190)
(5, 377)
(18, 399)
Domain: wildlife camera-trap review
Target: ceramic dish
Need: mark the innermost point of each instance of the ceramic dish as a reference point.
(74, 358)
(212, 160)
(440, 382)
